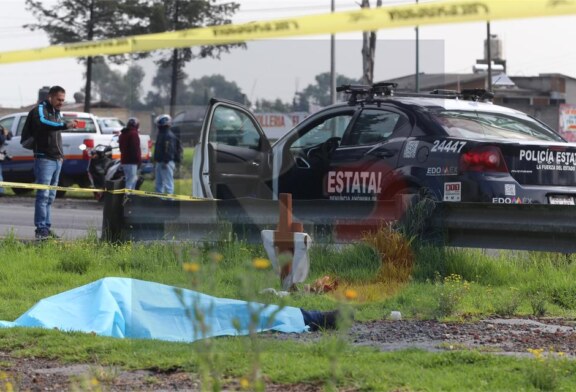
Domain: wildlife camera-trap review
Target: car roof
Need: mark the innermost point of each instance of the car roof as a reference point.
(437, 103)
(476, 99)
(455, 104)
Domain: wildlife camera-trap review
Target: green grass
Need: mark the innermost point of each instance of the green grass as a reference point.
(289, 362)
(471, 282)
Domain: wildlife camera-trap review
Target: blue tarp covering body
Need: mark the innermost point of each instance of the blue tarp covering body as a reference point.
(131, 308)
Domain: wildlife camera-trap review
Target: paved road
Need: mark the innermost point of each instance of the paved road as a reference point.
(71, 218)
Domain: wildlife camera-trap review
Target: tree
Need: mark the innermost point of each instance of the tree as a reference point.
(113, 86)
(215, 86)
(196, 92)
(168, 15)
(160, 98)
(319, 93)
(85, 20)
(277, 105)
(368, 49)
(133, 81)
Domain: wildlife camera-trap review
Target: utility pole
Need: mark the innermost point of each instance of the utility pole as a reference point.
(89, 59)
(175, 65)
(417, 85)
(488, 57)
(332, 63)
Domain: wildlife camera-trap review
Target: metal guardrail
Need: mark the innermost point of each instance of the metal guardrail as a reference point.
(476, 225)
(536, 227)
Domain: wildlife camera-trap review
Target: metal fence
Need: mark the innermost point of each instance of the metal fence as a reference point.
(477, 225)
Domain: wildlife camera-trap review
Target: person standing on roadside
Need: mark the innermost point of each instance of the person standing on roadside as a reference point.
(4, 136)
(43, 126)
(130, 155)
(167, 151)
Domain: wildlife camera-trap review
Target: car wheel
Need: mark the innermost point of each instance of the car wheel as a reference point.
(21, 191)
(65, 181)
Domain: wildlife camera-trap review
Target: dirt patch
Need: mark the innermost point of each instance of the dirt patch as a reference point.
(498, 336)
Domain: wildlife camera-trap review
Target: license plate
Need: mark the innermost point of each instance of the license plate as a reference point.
(561, 200)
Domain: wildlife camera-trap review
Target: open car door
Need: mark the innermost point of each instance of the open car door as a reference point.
(232, 158)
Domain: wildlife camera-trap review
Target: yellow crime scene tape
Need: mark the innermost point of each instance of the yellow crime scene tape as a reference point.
(387, 17)
(91, 190)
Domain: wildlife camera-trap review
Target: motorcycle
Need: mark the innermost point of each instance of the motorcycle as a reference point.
(103, 167)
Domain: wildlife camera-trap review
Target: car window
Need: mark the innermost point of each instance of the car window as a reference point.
(373, 126)
(494, 126)
(319, 133)
(111, 123)
(21, 123)
(233, 127)
(7, 123)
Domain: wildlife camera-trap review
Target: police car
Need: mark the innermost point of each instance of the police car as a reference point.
(457, 146)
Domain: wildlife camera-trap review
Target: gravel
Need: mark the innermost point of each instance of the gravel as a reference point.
(494, 335)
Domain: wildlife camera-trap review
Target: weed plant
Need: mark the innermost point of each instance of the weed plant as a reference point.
(546, 368)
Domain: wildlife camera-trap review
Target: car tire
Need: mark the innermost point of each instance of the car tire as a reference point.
(21, 191)
(65, 181)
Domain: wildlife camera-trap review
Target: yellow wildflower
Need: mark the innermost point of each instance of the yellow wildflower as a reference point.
(350, 294)
(216, 257)
(260, 263)
(244, 383)
(537, 352)
(191, 267)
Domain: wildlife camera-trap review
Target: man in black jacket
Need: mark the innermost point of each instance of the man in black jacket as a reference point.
(45, 123)
(130, 154)
(167, 153)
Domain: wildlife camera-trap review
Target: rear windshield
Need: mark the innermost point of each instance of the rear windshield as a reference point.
(493, 126)
(85, 125)
(111, 123)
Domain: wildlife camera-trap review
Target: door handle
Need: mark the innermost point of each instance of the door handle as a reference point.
(384, 153)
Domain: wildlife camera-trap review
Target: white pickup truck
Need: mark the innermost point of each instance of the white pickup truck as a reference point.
(21, 167)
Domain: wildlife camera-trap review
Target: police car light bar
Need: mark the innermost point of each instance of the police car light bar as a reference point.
(386, 89)
(354, 90)
(477, 94)
(367, 92)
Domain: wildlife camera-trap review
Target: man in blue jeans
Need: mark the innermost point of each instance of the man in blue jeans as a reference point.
(44, 124)
(167, 153)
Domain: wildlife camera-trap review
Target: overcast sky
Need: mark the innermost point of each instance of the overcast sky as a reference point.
(276, 69)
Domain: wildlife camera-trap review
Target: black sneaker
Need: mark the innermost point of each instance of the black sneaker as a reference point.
(42, 234)
(53, 235)
(317, 320)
